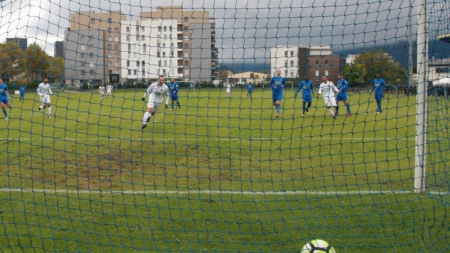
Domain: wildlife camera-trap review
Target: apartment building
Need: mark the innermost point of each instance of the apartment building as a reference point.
(107, 31)
(299, 61)
(21, 42)
(150, 48)
(59, 49)
(197, 56)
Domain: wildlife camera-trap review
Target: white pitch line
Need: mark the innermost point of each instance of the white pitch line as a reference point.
(205, 139)
(211, 192)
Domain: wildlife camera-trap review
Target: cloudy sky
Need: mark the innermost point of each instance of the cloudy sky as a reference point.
(246, 29)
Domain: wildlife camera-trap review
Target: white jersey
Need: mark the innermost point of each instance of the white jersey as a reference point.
(157, 93)
(44, 89)
(101, 89)
(328, 89)
(109, 87)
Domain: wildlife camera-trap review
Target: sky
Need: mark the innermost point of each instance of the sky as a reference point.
(245, 29)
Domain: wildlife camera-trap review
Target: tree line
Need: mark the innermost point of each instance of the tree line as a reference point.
(30, 65)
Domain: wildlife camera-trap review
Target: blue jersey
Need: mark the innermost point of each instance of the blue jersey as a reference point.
(22, 89)
(3, 91)
(249, 87)
(379, 86)
(277, 83)
(342, 85)
(307, 87)
(173, 89)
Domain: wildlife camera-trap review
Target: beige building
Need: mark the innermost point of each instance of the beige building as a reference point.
(196, 39)
(108, 23)
(247, 77)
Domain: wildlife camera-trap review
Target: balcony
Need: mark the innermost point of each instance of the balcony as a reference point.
(180, 67)
(180, 48)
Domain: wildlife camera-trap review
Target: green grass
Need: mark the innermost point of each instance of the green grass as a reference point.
(211, 177)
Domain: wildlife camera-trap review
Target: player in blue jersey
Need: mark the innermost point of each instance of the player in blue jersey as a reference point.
(307, 93)
(4, 99)
(342, 86)
(23, 90)
(378, 87)
(173, 91)
(249, 90)
(277, 84)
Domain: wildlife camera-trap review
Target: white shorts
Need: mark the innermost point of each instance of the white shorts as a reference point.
(330, 101)
(108, 91)
(228, 91)
(154, 105)
(45, 99)
(101, 94)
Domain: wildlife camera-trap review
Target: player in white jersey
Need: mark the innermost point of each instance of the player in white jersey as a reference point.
(156, 93)
(101, 89)
(44, 92)
(109, 89)
(228, 86)
(328, 90)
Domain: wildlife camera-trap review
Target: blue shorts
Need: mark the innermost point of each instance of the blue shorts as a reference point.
(307, 98)
(249, 91)
(378, 96)
(22, 94)
(4, 100)
(172, 97)
(277, 97)
(342, 96)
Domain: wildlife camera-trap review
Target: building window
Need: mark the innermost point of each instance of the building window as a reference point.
(171, 54)
(128, 29)
(158, 54)
(109, 29)
(116, 39)
(83, 55)
(165, 28)
(164, 71)
(116, 64)
(317, 62)
(186, 37)
(83, 47)
(317, 82)
(143, 72)
(109, 71)
(186, 45)
(91, 71)
(109, 55)
(159, 29)
(116, 47)
(186, 19)
(83, 64)
(317, 73)
(292, 53)
(186, 28)
(82, 72)
(285, 72)
(285, 53)
(186, 63)
(170, 28)
(109, 38)
(116, 71)
(109, 47)
(116, 56)
(142, 29)
(292, 63)
(164, 54)
(326, 62)
(135, 72)
(171, 45)
(143, 37)
(137, 63)
(165, 36)
(143, 63)
(82, 38)
(128, 63)
(91, 64)
(326, 72)
(116, 29)
(128, 37)
(145, 48)
(292, 73)
(129, 47)
(110, 20)
(165, 63)
(92, 21)
(159, 63)
(285, 64)
(129, 72)
(91, 55)
(163, 45)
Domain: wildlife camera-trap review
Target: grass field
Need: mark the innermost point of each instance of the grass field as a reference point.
(220, 175)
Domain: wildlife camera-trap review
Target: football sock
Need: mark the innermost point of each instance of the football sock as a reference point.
(348, 108)
(337, 109)
(278, 108)
(4, 112)
(331, 111)
(49, 111)
(172, 105)
(178, 103)
(379, 106)
(147, 116)
(304, 107)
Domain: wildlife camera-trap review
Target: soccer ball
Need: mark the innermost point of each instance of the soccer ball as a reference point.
(317, 246)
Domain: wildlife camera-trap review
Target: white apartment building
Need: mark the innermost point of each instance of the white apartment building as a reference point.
(149, 49)
(285, 59)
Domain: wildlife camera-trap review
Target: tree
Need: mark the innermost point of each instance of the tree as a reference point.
(57, 68)
(266, 75)
(35, 62)
(10, 54)
(256, 76)
(355, 73)
(378, 62)
(252, 75)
